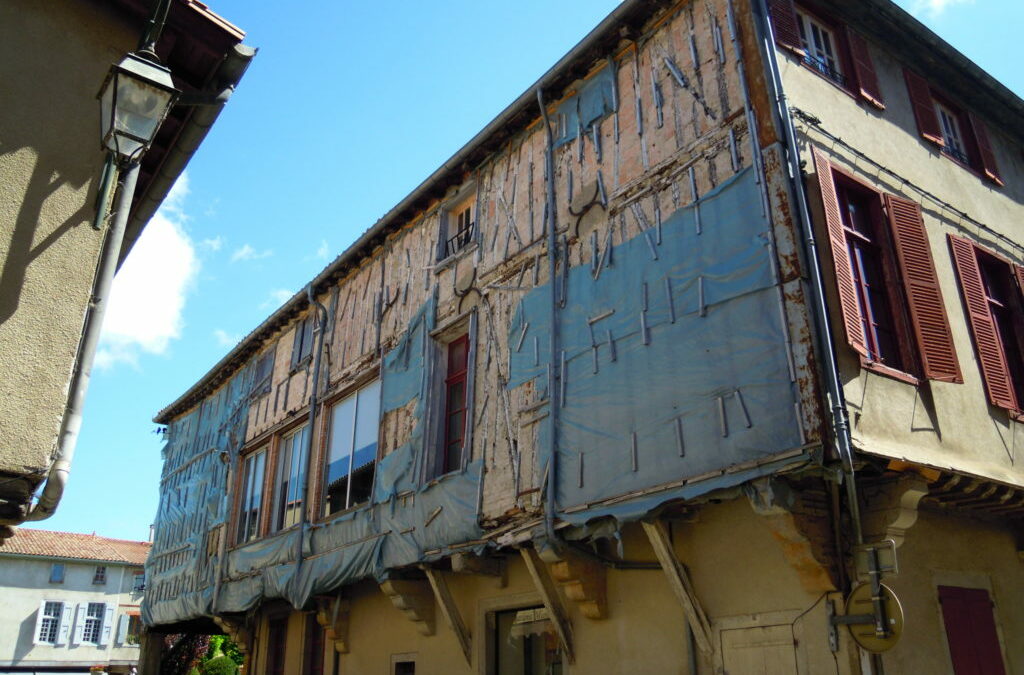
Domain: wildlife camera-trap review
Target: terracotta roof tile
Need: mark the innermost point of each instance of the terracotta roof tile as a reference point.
(46, 543)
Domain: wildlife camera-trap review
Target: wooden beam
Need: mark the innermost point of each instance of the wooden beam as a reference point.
(450, 610)
(552, 602)
(679, 581)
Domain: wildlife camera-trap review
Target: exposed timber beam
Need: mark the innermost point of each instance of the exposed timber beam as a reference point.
(552, 602)
(445, 601)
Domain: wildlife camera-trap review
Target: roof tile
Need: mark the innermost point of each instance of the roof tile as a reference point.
(49, 544)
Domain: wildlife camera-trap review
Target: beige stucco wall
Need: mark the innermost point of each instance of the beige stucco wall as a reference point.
(25, 583)
(53, 58)
(645, 630)
(941, 424)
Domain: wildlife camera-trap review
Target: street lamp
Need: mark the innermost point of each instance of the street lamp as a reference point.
(134, 100)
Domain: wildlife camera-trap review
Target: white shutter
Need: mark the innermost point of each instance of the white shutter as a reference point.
(76, 635)
(122, 629)
(64, 629)
(108, 624)
(39, 621)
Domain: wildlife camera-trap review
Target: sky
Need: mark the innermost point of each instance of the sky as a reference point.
(347, 107)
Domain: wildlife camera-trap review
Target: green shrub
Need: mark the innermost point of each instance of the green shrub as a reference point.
(220, 665)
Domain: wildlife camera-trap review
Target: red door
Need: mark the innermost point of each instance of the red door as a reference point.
(971, 631)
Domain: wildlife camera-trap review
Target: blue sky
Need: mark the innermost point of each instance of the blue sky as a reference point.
(347, 107)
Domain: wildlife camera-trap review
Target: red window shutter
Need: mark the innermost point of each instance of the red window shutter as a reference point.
(840, 255)
(987, 157)
(927, 311)
(924, 107)
(987, 343)
(864, 69)
(971, 631)
(783, 17)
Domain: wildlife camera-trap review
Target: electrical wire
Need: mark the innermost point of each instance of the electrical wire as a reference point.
(814, 122)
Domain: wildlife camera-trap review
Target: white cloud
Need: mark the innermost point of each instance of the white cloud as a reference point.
(276, 298)
(933, 8)
(247, 252)
(225, 339)
(323, 250)
(148, 295)
(213, 244)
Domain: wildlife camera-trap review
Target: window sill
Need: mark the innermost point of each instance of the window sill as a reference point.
(301, 364)
(455, 257)
(887, 371)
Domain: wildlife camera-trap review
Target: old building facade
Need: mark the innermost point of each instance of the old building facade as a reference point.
(669, 360)
(71, 602)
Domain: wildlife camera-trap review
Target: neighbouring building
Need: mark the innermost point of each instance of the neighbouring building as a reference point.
(54, 57)
(713, 328)
(70, 602)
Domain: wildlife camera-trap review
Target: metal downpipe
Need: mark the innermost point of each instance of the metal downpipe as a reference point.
(71, 425)
(321, 313)
(819, 306)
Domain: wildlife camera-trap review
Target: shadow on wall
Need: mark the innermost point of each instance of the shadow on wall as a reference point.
(22, 249)
(25, 635)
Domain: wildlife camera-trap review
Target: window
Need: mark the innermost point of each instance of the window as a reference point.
(100, 575)
(57, 573)
(455, 404)
(991, 289)
(888, 290)
(48, 623)
(291, 473)
(93, 622)
(250, 506)
(138, 582)
(134, 631)
(819, 48)
(971, 631)
(524, 642)
(958, 134)
(828, 48)
(302, 344)
(263, 370)
(457, 226)
(352, 449)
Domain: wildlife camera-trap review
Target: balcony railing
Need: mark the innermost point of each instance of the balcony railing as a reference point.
(826, 70)
(460, 241)
(957, 154)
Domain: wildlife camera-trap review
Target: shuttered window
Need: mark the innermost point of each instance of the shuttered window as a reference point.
(991, 290)
(885, 275)
(827, 47)
(960, 134)
(971, 631)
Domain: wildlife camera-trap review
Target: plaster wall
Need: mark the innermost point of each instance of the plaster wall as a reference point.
(53, 58)
(645, 629)
(940, 424)
(25, 583)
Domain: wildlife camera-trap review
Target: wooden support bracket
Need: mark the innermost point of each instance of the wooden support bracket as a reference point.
(679, 580)
(332, 614)
(237, 631)
(584, 582)
(445, 601)
(415, 599)
(552, 602)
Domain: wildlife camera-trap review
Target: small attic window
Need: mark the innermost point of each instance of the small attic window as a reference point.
(458, 225)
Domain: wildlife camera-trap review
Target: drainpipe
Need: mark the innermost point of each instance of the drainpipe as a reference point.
(554, 377)
(321, 328)
(819, 306)
(72, 423)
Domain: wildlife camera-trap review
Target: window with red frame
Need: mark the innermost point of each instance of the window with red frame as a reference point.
(455, 410)
(968, 616)
(827, 47)
(958, 133)
(313, 647)
(889, 293)
(992, 293)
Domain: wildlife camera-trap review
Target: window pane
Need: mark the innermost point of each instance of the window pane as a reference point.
(339, 453)
(355, 424)
(290, 475)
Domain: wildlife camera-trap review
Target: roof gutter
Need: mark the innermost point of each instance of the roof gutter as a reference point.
(591, 48)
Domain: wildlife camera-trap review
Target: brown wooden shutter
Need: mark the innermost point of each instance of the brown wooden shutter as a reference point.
(1018, 271)
(924, 107)
(986, 156)
(864, 69)
(783, 16)
(927, 311)
(987, 343)
(840, 255)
